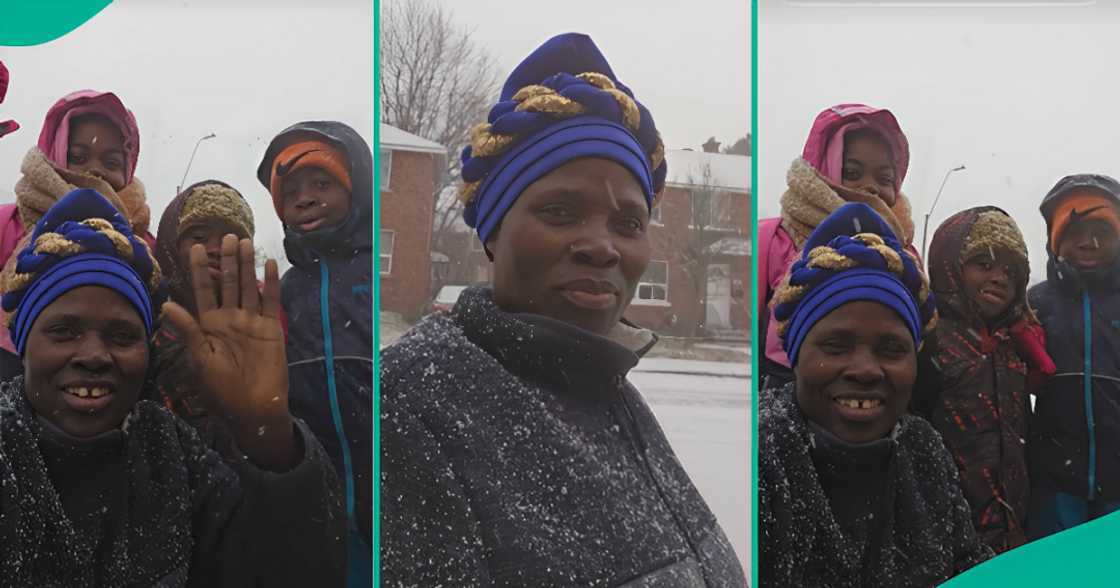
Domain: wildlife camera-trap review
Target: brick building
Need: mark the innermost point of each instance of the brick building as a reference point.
(696, 282)
(409, 169)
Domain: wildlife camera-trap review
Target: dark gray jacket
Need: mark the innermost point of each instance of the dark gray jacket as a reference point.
(922, 533)
(150, 505)
(515, 453)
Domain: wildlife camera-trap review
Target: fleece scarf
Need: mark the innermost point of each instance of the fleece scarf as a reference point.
(43, 184)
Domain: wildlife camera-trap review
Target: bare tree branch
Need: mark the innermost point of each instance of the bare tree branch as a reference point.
(436, 82)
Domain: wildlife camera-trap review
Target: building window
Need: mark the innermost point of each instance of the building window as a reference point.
(476, 243)
(653, 288)
(715, 211)
(655, 216)
(387, 238)
(386, 168)
(723, 213)
(482, 274)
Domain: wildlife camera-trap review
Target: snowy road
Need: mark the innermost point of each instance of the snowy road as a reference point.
(705, 411)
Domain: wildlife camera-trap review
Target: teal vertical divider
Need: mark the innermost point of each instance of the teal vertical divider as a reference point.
(754, 294)
(33, 22)
(376, 298)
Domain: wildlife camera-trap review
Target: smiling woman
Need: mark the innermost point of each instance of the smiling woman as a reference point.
(514, 450)
(852, 491)
(102, 489)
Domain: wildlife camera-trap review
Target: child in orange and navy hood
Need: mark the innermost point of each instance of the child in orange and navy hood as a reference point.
(320, 175)
(1075, 466)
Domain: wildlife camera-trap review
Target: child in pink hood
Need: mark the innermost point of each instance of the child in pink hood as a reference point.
(854, 153)
(88, 140)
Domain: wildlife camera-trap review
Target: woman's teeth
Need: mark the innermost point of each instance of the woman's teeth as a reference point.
(864, 403)
(83, 392)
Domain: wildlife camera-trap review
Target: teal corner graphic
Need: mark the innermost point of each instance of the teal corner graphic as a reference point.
(1081, 556)
(28, 22)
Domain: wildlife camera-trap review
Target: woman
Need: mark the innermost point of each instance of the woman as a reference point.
(100, 489)
(854, 153)
(514, 451)
(853, 491)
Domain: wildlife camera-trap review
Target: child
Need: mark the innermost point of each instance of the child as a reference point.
(202, 214)
(88, 140)
(854, 153)
(99, 488)
(1075, 436)
(973, 370)
(320, 175)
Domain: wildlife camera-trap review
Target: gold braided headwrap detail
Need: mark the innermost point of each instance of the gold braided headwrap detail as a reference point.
(56, 244)
(544, 100)
(827, 258)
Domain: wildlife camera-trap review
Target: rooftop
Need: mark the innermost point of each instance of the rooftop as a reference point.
(728, 172)
(395, 139)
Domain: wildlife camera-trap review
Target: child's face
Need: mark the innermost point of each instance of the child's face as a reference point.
(856, 370)
(868, 166)
(210, 236)
(1089, 244)
(97, 147)
(990, 283)
(313, 199)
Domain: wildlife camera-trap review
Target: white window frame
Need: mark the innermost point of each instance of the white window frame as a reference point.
(655, 217)
(386, 171)
(638, 300)
(388, 255)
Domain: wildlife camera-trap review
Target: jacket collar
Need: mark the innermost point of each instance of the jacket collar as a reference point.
(549, 351)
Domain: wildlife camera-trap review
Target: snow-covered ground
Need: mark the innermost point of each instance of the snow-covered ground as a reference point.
(704, 408)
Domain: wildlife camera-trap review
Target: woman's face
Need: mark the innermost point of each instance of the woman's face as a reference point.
(855, 371)
(85, 361)
(868, 165)
(574, 245)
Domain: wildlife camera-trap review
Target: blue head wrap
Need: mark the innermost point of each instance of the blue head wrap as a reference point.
(561, 103)
(82, 240)
(851, 256)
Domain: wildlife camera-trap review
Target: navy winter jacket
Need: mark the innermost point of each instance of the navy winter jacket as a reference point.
(1075, 435)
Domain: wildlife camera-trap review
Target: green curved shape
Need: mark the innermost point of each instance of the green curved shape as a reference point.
(31, 22)
(1082, 556)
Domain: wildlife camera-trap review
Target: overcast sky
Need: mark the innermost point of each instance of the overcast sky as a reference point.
(242, 70)
(1021, 96)
(689, 67)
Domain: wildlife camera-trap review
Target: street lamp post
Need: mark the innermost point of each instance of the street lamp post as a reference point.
(925, 228)
(179, 188)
